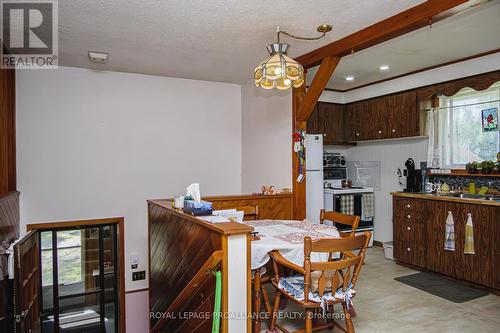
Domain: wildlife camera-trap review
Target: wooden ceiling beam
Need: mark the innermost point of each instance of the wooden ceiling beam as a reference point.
(318, 84)
(392, 27)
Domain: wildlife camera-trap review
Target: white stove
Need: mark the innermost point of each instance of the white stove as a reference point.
(348, 190)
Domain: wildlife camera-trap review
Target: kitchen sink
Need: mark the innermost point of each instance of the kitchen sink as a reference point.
(462, 195)
(471, 196)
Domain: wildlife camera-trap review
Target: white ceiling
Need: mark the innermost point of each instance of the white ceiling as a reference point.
(472, 32)
(207, 40)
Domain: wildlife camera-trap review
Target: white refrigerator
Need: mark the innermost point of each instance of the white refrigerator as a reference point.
(314, 176)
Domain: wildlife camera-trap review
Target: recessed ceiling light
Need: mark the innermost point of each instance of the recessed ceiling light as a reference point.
(98, 57)
(384, 67)
(349, 78)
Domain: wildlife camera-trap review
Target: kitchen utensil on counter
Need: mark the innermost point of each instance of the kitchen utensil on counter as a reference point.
(346, 183)
(413, 177)
(472, 187)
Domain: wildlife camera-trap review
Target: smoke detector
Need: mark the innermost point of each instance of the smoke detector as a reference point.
(98, 57)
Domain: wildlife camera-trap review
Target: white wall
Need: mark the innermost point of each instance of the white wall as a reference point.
(94, 144)
(459, 70)
(266, 134)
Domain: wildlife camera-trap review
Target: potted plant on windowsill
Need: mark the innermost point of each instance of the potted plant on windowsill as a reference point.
(496, 169)
(472, 167)
(487, 167)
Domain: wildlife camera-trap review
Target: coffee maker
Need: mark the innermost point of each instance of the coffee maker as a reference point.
(413, 177)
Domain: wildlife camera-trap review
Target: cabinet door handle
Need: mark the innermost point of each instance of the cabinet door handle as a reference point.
(408, 216)
(379, 132)
(393, 130)
(408, 249)
(408, 228)
(357, 134)
(408, 206)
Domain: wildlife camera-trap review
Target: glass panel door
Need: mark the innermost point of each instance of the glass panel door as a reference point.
(79, 280)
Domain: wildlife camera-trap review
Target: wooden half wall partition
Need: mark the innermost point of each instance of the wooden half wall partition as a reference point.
(328, 57)
(183, 250)
(273, 207)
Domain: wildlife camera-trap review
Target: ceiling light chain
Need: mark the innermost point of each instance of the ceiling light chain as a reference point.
(323, 29)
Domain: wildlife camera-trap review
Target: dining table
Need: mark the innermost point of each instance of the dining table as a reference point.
(287, 237)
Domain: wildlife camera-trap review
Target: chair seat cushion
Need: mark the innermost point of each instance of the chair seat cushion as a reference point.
(294, 286)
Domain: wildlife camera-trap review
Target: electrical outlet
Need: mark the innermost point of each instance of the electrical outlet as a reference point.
(141, 275)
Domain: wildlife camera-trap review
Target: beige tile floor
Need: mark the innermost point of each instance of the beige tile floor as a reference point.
(385, 305)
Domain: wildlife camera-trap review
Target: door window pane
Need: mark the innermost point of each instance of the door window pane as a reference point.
(78, 268)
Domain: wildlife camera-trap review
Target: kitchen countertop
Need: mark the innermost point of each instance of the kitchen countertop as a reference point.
(438, 197)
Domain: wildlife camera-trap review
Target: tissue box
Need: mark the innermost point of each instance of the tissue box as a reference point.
(197, 208)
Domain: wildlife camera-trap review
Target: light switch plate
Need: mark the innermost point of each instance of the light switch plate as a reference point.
(141, 275)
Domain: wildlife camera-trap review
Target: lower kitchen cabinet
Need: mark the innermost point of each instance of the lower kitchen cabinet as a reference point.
(419, 237)
(409, 232)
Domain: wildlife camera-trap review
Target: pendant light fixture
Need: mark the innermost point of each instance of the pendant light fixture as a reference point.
(279, 70)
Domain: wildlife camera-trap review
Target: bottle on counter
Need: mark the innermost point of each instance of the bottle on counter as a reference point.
(472, 187)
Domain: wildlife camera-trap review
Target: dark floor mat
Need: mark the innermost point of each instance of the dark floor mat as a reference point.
(439, 285)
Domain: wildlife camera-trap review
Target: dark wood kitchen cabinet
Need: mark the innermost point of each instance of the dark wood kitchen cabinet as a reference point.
(410, 238)
(328, 119)
(385, 117)
(353, 115)
(419, 237)
(313, 121)
(403, 117)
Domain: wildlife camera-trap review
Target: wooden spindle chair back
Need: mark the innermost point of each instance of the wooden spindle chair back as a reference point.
(339, 218)
(345, 270)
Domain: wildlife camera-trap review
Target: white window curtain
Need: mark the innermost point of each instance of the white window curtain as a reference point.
(434, 150)
(455, 129)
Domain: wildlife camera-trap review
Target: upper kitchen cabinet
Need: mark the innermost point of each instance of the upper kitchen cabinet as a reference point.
(313, 121)
(403, 117)
(385, 117)
(331, 120)
(328, 119)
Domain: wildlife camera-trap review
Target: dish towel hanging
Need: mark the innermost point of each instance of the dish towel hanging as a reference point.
(368, 204)
(469, 236)
(347, 204)
(449, 243)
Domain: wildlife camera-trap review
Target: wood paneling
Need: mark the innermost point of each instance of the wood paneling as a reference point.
(410, 238)
(7, 131)
(331, 122)
(419, 225)
(385, 117)
(178, 249)
(274, 207)
(9, 231)
(496, 249)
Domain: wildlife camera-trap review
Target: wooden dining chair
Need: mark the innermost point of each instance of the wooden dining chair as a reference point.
(335, 285)
(339, 218)
(249, 211)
